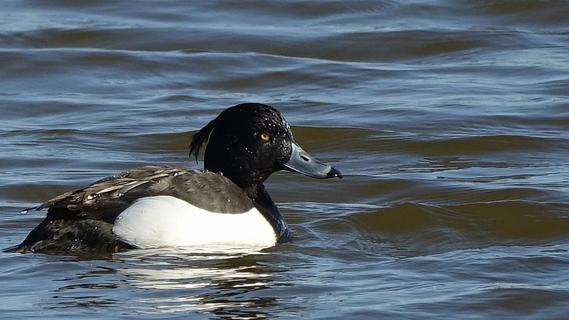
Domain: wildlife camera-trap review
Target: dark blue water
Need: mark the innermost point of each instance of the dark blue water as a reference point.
(449, 119)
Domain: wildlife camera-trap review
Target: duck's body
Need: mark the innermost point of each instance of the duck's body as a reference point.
(154, 206)
(158, 206)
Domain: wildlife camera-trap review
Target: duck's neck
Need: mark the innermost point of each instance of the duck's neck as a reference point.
(267, 207)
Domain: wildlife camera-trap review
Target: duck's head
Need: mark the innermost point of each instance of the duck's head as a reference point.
(248, 142)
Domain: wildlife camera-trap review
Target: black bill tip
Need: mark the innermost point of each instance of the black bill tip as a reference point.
(334, 173)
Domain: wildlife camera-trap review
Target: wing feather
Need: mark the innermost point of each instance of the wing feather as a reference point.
(108, 197)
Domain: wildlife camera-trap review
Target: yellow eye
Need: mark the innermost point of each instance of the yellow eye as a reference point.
(265, 136)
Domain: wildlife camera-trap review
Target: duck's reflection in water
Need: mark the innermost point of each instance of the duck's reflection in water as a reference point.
(222, 282)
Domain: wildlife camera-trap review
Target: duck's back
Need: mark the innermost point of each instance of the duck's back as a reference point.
(84, 219)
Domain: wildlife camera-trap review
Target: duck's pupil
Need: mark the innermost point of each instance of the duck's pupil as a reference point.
(265, 136)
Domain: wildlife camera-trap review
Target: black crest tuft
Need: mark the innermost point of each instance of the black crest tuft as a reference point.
(201, 137)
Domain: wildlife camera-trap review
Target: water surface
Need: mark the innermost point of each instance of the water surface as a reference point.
(449, 119)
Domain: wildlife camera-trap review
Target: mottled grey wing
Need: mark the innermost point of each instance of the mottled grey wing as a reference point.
(108, 197)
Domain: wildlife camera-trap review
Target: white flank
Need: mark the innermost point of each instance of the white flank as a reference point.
(165, 221)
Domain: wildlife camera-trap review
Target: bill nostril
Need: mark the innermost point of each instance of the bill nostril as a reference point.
(305, 158)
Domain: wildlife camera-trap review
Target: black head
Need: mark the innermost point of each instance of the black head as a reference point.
(250, 141)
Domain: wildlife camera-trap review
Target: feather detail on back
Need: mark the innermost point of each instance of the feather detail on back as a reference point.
(106, 198)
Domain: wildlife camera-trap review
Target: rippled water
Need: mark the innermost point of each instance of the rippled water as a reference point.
(450, 120)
